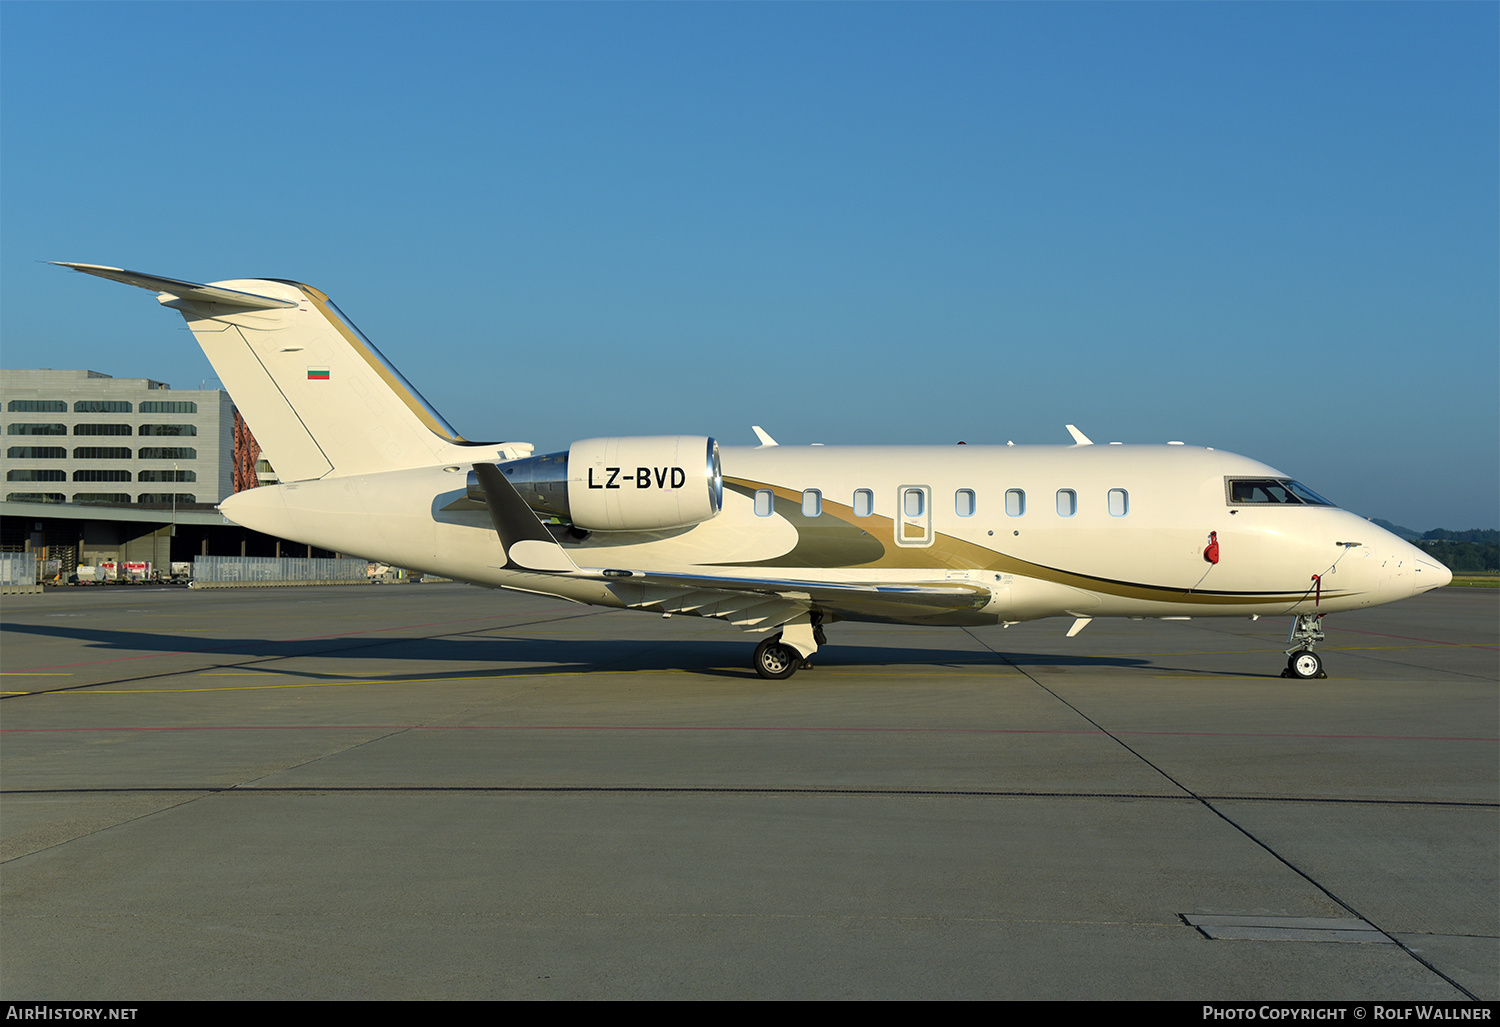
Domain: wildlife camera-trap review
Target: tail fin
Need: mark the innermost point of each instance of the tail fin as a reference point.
(320, 398)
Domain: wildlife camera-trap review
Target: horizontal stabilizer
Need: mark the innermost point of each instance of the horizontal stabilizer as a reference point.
(182, 290)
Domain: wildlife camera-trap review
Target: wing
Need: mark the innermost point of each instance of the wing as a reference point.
(753, 603)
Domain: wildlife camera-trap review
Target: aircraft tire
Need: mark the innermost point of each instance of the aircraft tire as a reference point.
(774, 661)
(1305, 664)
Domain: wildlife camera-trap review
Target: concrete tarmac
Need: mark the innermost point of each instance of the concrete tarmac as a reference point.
(434, 791)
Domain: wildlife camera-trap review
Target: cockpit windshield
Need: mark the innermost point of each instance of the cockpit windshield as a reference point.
(1268, 491)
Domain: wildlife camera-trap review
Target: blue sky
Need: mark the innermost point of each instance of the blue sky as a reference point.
(1268, 228)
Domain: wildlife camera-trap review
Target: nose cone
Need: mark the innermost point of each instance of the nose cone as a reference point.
(1414, 571)
(1428, 574)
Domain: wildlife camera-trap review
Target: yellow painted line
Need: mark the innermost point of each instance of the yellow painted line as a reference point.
(269, 674)
(1260, 652)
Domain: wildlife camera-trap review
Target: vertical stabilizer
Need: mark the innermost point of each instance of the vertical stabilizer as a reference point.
(319, 397)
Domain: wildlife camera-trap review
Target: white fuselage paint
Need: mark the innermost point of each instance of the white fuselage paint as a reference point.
(1273, 559)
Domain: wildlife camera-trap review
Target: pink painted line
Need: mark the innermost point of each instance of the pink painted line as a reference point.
(747, 730)
(1408, 638)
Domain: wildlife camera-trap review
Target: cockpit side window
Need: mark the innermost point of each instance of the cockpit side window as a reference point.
(1269, 492)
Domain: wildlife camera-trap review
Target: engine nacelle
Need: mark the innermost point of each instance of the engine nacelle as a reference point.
(631, 483)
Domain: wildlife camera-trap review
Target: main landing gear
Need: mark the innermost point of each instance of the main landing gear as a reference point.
(1301, 661)
(778, 658)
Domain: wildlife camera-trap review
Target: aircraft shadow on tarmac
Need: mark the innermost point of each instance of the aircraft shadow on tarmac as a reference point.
(517, 655)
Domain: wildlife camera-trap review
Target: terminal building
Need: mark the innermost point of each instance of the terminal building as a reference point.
(85, 437)
(108, 471)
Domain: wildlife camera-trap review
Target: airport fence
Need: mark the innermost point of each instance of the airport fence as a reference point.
(252, 571)
(18, 574)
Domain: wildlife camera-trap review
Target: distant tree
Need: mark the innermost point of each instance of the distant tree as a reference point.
(1480, 535)
(1461, 557)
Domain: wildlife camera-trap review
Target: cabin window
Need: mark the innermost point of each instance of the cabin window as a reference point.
(914, 502)
(1067, 502)
(1119, 502)
(1015, 502)
(864, 502)
(963, 502)
(765, 503)
(812, 503)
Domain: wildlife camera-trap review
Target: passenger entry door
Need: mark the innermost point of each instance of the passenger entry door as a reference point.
(914, 516)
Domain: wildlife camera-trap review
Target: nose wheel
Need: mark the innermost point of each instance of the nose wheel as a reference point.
(1301, 661)
(1304, 664)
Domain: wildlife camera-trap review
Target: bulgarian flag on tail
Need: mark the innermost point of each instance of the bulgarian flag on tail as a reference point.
(317, 374)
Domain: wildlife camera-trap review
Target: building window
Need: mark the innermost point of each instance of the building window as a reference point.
(101, 497)
(167, 453)
(36, 429)
(101, 452)
(36, 497)
(165, 498)
(812, 503)
(38, 453)
(1067, 502)
(102, 406)
(963, 502)
(96, 474)
(765, 503)
(103, 429)
(34, 474)
(37, 406)
(1015, 502)
(167, 476)
(864, 502)
(1119, 502)
(168, 429)
(176, 406)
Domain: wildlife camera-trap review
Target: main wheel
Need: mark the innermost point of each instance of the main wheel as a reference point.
(1305, 664)
(775, 661)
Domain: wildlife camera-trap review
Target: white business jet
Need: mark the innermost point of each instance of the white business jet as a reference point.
(779, 540)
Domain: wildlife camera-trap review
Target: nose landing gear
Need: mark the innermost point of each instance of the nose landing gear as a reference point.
(1301, 661)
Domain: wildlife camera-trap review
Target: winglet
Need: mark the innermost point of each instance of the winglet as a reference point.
(1079, 438)
(760, 433)
(528, 545)
(181, 290)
